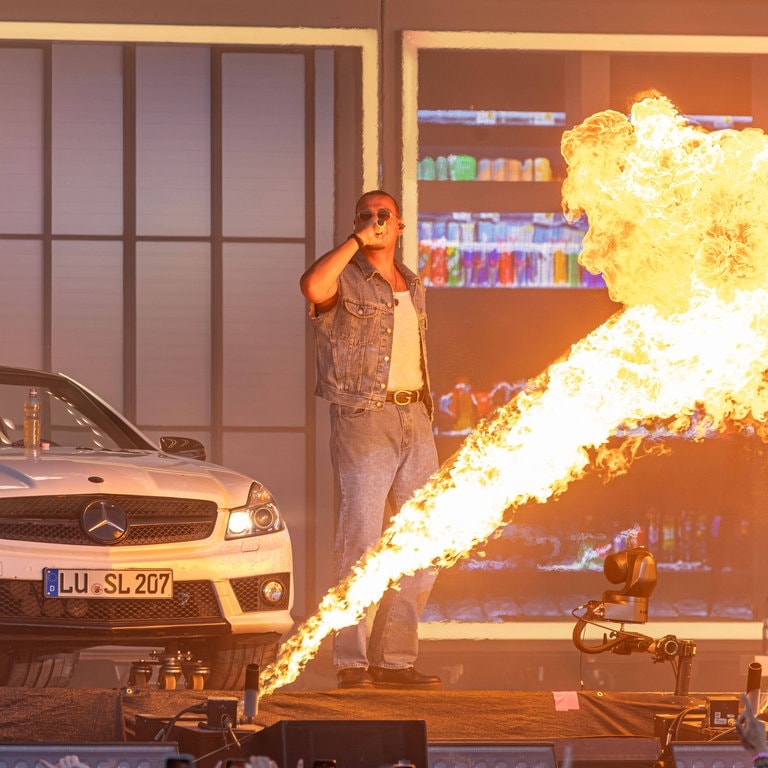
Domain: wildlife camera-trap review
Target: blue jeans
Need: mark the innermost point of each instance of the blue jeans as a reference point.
(380, 458)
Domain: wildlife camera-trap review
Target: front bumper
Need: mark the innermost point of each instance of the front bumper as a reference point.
(194, 611)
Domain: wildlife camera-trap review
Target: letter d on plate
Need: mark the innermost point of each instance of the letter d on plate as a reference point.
(51, 582)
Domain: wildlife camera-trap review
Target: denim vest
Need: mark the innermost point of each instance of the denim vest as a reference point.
(354, 338)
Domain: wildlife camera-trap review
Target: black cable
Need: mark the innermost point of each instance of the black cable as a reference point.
(722, 735)
(202, 707)
(242, 744)
(674, 729)
(620, 636)
(166, 731)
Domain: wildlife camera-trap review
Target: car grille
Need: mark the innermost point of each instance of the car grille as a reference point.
(248, 592)
(192, 600)
(151, 519)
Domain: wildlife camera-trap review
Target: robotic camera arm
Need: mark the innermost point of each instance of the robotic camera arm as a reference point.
(636, 568)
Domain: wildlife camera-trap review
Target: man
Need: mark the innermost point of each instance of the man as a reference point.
(368, 314)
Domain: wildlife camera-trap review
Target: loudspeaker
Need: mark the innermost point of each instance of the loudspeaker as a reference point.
(351, 743)
(102, 755)
(709, 754)
(610, 751)
(583, 752)
(513, 754)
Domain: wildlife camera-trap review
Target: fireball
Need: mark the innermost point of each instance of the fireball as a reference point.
(678, 227)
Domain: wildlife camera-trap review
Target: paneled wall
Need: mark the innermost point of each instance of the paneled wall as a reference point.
(156, 210)
(158, 200)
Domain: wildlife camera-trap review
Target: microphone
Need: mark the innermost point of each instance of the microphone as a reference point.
(754, 679)
(251, 697)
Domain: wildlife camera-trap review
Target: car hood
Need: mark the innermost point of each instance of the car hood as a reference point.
(73, 471)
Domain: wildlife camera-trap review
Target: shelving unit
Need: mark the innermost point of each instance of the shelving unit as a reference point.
(486, 333)
(490, 161)
(490, 196)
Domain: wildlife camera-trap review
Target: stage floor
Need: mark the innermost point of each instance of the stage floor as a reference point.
(609, 710)
(449, 715)
(110, 715)
(607, 729)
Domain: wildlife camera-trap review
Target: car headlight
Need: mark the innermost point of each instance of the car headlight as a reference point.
(260, 515)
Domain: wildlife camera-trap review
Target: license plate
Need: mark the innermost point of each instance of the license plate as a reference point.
(76, 582)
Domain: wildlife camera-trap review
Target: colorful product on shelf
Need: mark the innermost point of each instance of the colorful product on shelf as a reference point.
(491, 250)
(462, 167)
(470, 168)
(460, 409)
(490, 117)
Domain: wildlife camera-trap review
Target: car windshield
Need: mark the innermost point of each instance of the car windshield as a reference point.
(69, 417)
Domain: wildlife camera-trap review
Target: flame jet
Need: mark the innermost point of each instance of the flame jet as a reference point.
(679, 228)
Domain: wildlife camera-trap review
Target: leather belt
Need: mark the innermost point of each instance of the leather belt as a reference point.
(405, 396)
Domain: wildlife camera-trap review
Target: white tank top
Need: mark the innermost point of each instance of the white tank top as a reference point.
(405, 367)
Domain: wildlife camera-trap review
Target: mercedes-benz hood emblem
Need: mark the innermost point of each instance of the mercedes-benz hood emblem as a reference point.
(104, 522)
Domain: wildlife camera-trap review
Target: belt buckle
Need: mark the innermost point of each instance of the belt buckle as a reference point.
(408, 397)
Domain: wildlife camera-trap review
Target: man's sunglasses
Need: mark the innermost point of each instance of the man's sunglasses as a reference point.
(383, 214)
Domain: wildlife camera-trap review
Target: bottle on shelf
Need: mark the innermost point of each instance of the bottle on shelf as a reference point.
(467, 247)
(32, 424)
(462, 168)
(506, 274)
(438, 268)
(427, 170)
(669, 537)
(484, 169)
(441, 168)
(560, 267)
(542, 169)
(453, 253)
(425, 251)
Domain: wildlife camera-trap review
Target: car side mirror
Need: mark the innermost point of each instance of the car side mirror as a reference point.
(183, 446)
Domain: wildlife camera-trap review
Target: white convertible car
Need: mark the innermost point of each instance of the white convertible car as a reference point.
(108, 539)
